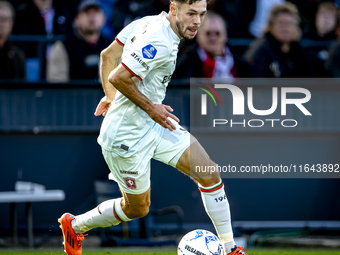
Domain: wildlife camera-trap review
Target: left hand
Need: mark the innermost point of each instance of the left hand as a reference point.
(103, 106)
(160, 114)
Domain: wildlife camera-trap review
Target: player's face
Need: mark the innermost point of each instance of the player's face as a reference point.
(189, 18)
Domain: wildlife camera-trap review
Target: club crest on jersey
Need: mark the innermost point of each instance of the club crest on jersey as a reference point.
(149, 51)
(130, 183)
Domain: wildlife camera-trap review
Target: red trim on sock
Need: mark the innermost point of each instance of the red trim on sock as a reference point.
(211, 190)
(115, 214)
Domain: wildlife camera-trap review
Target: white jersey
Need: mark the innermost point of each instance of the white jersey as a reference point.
(150, 52)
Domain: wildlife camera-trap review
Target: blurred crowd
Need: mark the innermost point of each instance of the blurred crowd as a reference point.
(61, 40)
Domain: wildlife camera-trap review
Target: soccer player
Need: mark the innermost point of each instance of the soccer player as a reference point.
(138, 127)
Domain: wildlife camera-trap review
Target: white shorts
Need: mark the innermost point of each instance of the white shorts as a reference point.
(133, 173)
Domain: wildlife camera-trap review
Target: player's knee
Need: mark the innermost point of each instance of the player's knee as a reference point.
(143, 211)
(212, 179)
(208, 182)
(209, 177)
(138, 211)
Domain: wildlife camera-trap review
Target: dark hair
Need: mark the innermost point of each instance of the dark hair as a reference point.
(188, 1)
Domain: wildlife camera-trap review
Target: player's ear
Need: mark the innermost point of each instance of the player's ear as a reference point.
(173, 8)
(76, 21)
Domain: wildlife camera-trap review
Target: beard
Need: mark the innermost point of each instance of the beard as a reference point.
(88, 31)
(181, 31)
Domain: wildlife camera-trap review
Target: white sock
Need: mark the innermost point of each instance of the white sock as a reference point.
(229, 246)
(109, 213)
(217, 206)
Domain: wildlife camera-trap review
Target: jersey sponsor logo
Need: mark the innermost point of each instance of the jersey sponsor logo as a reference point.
(124, 147)
(166, 79)
(149, 51)
(140, 61)
(183, 130)
(128, 172)
(130, 183)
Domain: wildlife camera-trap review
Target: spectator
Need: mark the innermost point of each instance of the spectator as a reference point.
(107, 30)
(41, 17)
(307, 10)
(325, 22)
(332, 64)
(78, 57)
(211, 57)
(128, 11)
(326, 19)
(278, 53)
(12, 59)
(251, 16)
(227, 10)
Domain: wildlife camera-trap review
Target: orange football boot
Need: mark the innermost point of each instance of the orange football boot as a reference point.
(72, 241)
(237, 251)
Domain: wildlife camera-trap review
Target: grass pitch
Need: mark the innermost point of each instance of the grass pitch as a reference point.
(164, 251)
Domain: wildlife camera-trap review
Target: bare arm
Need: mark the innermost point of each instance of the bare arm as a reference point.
(108, 62)
(121, 79)
(109, 59)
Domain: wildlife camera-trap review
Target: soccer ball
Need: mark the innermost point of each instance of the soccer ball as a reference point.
(200, 242)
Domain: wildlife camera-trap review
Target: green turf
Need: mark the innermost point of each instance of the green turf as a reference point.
(174, 253)
(165, 251)
(86, 253)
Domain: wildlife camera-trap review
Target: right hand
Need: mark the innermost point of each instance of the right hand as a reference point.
(160, 114)
(103, 106)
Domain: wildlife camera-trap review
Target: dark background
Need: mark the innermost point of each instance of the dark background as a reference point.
(48, 136)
